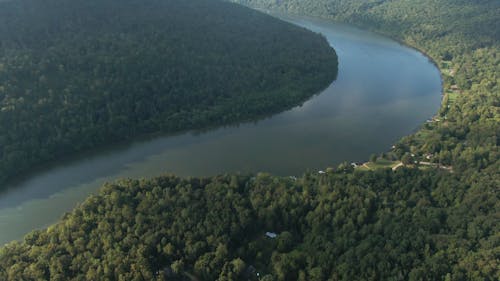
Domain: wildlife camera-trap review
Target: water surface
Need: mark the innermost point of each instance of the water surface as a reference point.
(383, 92)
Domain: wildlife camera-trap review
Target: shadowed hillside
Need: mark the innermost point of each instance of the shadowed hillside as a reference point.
(76, 75)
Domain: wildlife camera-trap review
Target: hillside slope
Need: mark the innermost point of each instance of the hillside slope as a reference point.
(75, 75)
(344, 225)
(408, 224)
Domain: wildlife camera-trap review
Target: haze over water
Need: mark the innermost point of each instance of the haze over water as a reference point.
(383, 91)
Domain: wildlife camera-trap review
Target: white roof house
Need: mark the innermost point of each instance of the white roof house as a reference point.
(271, 235)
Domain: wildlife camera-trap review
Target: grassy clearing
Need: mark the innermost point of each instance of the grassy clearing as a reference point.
(363, 168)
(380, 164)
(445, 67)
(422, 134)
(452, 96)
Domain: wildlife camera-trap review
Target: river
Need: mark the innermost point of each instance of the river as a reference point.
(383, 91)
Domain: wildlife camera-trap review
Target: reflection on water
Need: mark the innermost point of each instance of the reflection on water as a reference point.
(383, 92)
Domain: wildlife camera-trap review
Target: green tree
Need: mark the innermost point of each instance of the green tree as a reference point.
(407, 159)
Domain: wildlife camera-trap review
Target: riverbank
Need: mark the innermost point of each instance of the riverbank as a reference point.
(430, 225)
(322, 132)
(444, 88)
(120, 85)
(472, 55)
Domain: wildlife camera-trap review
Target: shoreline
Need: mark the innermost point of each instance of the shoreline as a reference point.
(276, 13)
(11, 182)
(397, 46)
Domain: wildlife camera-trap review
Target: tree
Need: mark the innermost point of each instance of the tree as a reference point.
(407, 159)
(284, 241)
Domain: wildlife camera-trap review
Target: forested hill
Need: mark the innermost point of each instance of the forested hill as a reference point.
(463, 38)
(343, 225)
(409, 224)
(83, 73)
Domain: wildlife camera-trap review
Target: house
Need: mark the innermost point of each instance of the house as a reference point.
(271, 235)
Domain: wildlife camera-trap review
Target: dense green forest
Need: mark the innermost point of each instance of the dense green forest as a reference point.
(79, 74)
(344, 225)
(408, 224)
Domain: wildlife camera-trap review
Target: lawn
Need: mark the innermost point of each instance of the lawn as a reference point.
(380, 164)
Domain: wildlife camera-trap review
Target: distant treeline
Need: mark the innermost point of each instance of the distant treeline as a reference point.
(79, 74)
(343, 225)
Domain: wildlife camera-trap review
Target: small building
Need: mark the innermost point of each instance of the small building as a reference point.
(271, 235)
(321, 172)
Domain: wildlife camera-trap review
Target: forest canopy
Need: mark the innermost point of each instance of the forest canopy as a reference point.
(345, 224)
(75, 75)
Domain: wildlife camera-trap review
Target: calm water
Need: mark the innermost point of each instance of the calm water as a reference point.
(383, 92)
